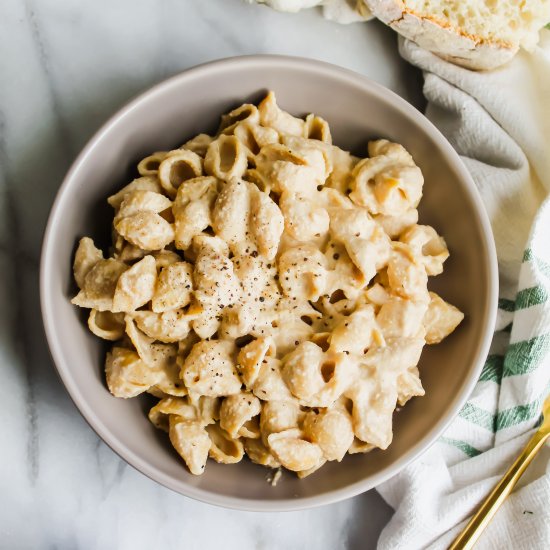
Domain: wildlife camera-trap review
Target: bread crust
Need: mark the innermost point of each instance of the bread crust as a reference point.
(443, 39)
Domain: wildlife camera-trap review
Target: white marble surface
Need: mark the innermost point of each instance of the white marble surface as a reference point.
(64, 68)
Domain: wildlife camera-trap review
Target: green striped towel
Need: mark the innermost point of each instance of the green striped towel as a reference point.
(499, 122)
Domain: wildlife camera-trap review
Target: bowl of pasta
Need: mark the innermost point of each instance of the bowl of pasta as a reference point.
(268, 283)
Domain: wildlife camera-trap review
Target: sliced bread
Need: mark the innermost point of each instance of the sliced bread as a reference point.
(478, 34)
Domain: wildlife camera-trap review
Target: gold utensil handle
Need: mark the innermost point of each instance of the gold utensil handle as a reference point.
(484, 515)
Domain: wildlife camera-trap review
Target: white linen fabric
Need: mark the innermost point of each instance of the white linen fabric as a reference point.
(341, 11)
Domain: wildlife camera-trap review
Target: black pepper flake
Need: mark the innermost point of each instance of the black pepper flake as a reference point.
(296, 342)
(336, 256)
(262, 299)
(254, 254)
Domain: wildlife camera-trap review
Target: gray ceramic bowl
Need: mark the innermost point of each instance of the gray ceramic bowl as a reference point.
(357, 111)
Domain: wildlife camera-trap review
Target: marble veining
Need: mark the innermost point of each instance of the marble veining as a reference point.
(65, 67)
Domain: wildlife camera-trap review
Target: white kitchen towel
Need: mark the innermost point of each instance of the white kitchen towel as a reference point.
(499, 122)
(341, 11)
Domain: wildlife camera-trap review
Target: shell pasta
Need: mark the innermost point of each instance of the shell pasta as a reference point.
(270, 290)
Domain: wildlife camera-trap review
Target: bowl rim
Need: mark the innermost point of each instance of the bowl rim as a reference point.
(335, 73)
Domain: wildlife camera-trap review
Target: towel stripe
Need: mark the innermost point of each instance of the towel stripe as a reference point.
(519, 414)
(541, 265)
(504, 419)
(506, 305)
(526, 298)
(525, 356)
(478, 416)
(466, 448)
(492, 370)
(531, 297)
